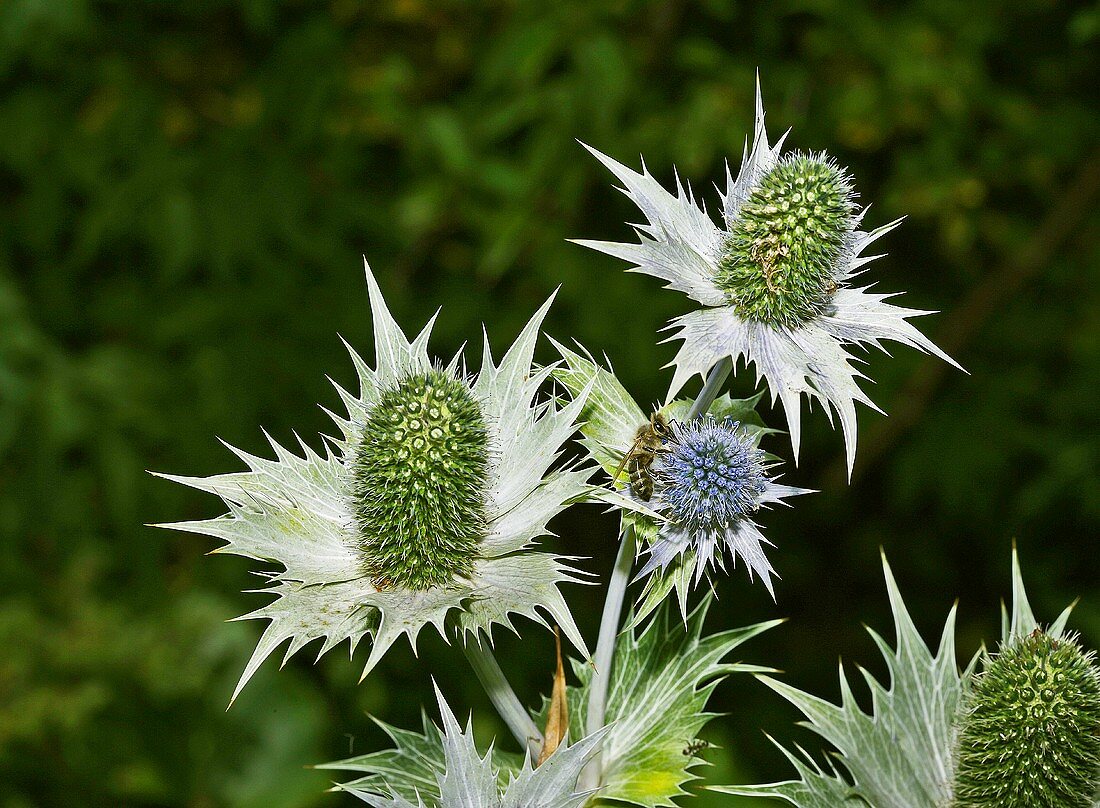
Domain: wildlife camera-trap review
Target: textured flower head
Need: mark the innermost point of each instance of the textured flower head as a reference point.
(778, 263)
(711, 474)
(427, 504)
(774, 279)
(710, 481)
(1030, 734)
(419, 477)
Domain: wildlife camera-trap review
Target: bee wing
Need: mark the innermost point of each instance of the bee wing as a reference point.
(626, 457)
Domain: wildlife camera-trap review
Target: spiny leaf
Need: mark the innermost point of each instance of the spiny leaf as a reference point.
(661, 679)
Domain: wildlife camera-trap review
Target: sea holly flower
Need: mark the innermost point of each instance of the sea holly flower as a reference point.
(775, 278)
(442, 768)
(427, 505)
(709, 480)
(936, 737)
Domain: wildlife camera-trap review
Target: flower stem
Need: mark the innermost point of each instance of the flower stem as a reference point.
(501, 694)
(715, 379)
(605, 649)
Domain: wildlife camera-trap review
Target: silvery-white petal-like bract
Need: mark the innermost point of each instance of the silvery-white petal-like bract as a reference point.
(443, 769)
(901, 755)
(427, 504)
(774, 279)
(661, 678)
(710, 480)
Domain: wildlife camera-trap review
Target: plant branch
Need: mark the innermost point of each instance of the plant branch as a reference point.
(507, 704)
(605, 649)
(715, 379)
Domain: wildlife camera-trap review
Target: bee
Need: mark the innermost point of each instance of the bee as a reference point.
(648, 442)
(695, 747)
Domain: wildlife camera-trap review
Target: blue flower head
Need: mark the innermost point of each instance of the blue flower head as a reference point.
(712, 474)
(710, 479)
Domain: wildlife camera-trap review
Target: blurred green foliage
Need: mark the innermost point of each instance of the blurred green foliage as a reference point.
(187, 192)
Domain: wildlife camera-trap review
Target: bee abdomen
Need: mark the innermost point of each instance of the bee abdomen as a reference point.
(640, 481)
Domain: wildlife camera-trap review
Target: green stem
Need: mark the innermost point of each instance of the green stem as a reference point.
(501, 694)
(605, 649)
(715, 379)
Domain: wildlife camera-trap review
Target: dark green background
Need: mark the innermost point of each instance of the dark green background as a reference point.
(187, 191)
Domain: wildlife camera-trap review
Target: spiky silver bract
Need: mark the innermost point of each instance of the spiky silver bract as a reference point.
(356, 561)
(791, 318)
(443, 769)
(902, 754)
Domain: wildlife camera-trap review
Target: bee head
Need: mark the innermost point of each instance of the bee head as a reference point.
(659, 424)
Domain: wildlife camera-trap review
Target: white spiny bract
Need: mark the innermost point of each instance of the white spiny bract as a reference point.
(774, 280)
(662, 676)
(463, 778)
(902, 754)
(428, 503)
(710, 480)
